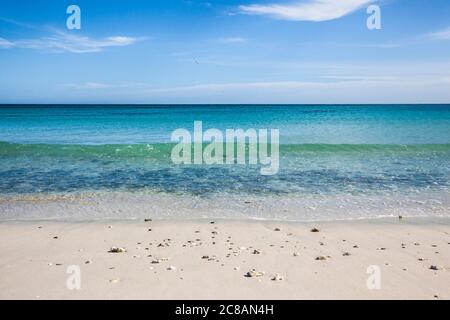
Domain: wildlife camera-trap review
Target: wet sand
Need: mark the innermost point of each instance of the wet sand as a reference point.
(225, 260)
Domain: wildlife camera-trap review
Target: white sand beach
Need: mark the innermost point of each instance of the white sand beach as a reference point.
(204, 260)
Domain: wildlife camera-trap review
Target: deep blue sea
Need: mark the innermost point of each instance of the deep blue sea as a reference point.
(337, 159)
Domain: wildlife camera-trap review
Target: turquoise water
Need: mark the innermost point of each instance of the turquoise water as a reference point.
(390, 152)
(386, 124)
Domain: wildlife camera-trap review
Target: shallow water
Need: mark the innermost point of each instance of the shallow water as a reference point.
(336, 162)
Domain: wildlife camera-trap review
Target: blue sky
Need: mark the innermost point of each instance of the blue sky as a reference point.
(225, 51)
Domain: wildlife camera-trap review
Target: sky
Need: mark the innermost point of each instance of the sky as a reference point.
(225, 51)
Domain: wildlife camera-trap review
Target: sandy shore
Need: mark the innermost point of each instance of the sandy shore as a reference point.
(203, 260)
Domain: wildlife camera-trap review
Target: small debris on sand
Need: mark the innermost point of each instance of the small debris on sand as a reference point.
(434, 267)
(159, 260)
(295, 254)
(277, 229)
(346, 254)
(256, 251)
(237, 268)
(277, 277)
(315, 230)
(114, 281)
(88, 262)
(172, 268)
(254, 274)
(165, 244)
(116, 250)
(148, 220)
(55, 237)
(321, 258)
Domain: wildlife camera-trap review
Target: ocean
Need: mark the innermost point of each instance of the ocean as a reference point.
(83, 162)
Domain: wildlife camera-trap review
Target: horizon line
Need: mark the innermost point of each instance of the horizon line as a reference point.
(219, 104)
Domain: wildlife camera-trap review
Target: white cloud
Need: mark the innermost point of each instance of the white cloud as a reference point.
(64, 42)
(88, 85)
(311, 10)
(440, 35)
(351, 83)
(5, 43)
(233, 40)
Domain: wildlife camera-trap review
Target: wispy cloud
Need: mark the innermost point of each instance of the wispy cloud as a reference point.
(17, 23)
(64, 42)
(5, 43)
(335, 82)
(231, 40)
(101, 85)
(311, 10)
(88, 85)
(440, 35)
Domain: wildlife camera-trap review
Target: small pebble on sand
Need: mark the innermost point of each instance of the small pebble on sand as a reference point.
(117, 250)
(277, 277)
(254, 274)
(321, 258)
(434, 267)
(315, 230)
